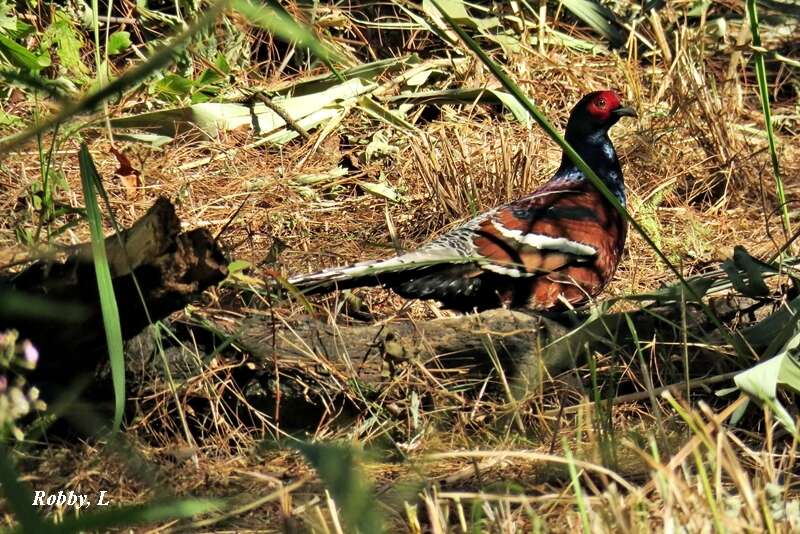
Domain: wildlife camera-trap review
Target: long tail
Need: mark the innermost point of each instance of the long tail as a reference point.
(389, 272)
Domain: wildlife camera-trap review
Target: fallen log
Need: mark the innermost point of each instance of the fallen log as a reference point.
(56, 304)
(301, 365)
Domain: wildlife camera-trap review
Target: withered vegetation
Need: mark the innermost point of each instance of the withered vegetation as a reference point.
(441, 456)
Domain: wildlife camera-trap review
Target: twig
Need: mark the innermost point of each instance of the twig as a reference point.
(290, 122)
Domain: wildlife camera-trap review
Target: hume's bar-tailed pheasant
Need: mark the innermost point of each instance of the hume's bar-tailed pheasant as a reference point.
(560, 243)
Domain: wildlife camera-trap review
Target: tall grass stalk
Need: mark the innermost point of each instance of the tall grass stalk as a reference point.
(763, 92)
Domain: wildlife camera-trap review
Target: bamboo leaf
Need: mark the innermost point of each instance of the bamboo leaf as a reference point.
(377, 111)
(213, 117)
(368, 72)
(380, 189)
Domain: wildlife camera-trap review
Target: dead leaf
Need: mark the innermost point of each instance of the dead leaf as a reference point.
(127, 175)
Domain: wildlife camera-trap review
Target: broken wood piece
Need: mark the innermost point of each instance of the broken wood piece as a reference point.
(170, 267)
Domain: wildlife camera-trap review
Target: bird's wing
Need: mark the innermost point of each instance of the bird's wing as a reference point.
(557, 226)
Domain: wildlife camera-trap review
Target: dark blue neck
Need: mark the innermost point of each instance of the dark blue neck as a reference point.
(598, 152)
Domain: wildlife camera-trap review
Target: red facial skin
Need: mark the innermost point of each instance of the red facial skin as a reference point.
(603, 104)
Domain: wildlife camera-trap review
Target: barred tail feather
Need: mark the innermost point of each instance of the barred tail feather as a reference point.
(358, 274)
(378, 272)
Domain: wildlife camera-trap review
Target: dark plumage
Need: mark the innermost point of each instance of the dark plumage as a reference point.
(561, 243)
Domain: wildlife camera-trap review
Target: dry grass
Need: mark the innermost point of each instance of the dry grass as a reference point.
(698, 177)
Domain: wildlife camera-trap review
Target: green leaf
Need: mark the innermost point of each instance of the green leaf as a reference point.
(763, 93)
(368, 72)
(599, 18)
(419, 78)
(320, 177)
(153, 140)
(381, 189)
(105, 287)
(774, 331)
(173, 86)
(377, 111)
(67, 42)
(310, 110)
(6, 119)
(208, 77)
(457, 11)
(453, 8)
(338, 469)
(118, 42)
(21, 56)
(273, 18)
(239, 266)
(469, 96)
(752, 284)
(379, 147)
(698, 286)
(8, 19)
(222, 64)
(761, 382)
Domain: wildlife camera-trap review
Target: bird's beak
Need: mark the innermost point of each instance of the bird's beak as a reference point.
(625, 112)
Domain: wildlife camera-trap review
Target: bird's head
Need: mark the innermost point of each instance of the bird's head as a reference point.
(596, 113)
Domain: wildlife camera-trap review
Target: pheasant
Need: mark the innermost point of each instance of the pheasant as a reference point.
(560, 244)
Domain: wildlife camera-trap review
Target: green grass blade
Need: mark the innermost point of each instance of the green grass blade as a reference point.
(583, 511)
(19, 304)
(272, 17)
(708, 492)
(140, 514)
(128, 79)
(763, 92)
(18, 495)
(551, 131)
(337, 466)
(105, 287)
(599, 17)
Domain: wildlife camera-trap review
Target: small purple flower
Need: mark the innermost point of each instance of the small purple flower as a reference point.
(3, 383)
(31, 353)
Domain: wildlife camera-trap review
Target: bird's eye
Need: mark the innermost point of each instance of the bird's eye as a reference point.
(600, 103)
